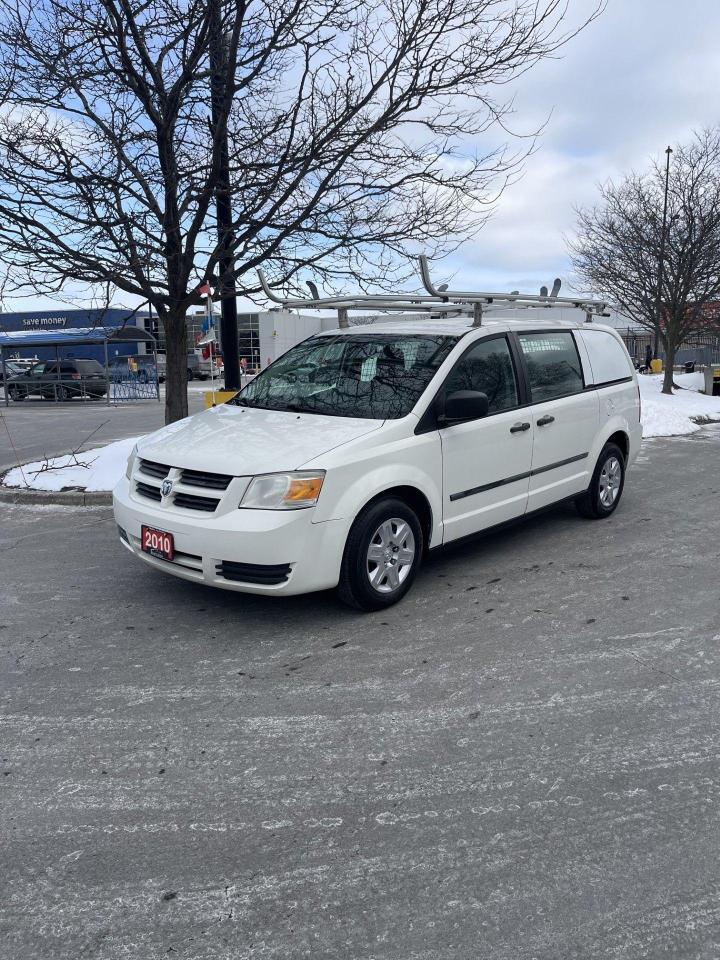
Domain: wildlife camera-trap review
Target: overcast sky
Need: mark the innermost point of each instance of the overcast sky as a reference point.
(643, 76)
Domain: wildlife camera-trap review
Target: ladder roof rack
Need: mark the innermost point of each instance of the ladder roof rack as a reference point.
(437, 301)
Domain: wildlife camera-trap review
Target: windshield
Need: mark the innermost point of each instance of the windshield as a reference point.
(370, 376)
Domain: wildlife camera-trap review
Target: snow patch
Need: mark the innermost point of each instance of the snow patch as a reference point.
(105, 466)
(665, 416)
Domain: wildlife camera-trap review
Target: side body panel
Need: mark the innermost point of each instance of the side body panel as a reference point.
(610, 372)
(486, 472)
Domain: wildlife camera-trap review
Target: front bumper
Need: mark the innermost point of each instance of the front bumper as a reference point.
(217, 549)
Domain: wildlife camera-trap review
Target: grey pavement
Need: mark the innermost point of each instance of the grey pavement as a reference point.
(39, 428)
(519, 761)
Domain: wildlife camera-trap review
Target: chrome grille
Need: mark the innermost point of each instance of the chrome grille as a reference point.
(199, 478)
(146, 490)
(190, 501)
(152, 469)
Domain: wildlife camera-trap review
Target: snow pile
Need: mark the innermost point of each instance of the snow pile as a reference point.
(98, 469)
(664, 416)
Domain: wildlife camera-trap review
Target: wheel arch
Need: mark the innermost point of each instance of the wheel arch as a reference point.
(622, 440)
(416, 499)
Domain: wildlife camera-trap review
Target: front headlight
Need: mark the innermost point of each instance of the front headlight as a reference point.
(284, 491)
(131, 462)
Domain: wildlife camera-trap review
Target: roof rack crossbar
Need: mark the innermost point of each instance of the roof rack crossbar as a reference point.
(435, 300)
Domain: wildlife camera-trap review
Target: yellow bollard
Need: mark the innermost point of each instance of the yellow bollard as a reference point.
(656, 366)
(214, 397)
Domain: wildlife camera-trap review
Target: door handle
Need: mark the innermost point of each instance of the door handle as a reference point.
(519, 427)
(544, 421)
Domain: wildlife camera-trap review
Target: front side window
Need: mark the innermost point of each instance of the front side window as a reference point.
(553, 365)
(487, 368)
(370, 376)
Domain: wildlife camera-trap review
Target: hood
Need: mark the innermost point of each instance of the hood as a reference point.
(246, 441)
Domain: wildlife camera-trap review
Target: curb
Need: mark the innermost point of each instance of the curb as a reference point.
(70, 498)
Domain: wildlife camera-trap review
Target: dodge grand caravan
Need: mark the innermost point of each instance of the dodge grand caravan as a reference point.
(361, 449)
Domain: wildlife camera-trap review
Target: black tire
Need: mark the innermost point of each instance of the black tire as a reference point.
(190, 375)
(16, 394)
(355, 587)
(599, 500)
(62, 393)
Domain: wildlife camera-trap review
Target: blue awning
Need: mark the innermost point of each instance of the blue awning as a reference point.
(76, 335)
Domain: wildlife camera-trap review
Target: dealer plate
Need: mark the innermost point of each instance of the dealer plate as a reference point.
(158, 543)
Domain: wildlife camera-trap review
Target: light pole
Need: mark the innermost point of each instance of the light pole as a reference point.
(226, 267)
(661, 265)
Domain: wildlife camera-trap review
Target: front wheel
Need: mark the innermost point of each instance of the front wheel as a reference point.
(606, 487)
(382, 555)
(190, 375)
(16, 394)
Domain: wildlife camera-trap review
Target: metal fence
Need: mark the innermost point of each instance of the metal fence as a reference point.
(703, 348)
(127, 385)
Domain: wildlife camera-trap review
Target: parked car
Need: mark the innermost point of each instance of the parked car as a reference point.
(12, 369)
(197, 367)
(348, 458)
(73, 378)
(23, 363)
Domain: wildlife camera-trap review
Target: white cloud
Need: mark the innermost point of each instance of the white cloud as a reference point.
(644, 75)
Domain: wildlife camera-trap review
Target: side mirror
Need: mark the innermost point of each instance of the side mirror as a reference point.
(465, 405)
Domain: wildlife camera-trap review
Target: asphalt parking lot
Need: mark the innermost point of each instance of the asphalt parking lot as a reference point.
(519, 761)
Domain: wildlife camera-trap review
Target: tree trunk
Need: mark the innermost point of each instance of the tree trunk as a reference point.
(670, 353)
(176, 400)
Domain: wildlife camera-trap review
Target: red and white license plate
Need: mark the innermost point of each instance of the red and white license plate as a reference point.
(158, 543)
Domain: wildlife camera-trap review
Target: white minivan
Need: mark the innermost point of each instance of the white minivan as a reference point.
(362, 448)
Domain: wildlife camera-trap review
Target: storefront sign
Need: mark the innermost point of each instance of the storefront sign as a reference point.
(44, 321)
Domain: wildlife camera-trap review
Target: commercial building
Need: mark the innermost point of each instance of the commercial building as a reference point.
(62, 319)
(262, 336)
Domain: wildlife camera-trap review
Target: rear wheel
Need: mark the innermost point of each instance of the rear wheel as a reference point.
(62, 392)
(606, 487)
(190, 375)
(382, 555)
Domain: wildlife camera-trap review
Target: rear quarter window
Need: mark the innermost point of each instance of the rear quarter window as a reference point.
(609, 360)
(88, 366)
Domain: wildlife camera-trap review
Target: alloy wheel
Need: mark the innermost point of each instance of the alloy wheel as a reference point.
(390, 555)
(610, 481)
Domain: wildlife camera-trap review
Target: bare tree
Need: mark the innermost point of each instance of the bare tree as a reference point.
(618, 244)
(353, 128)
